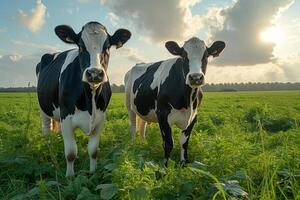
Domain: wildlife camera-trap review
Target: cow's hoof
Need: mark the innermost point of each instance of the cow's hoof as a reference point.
(184, 163)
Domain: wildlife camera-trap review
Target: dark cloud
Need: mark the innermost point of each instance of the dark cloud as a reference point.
(157, 20)
(240, 28)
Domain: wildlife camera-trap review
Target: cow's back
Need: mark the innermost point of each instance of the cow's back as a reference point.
(48, 73)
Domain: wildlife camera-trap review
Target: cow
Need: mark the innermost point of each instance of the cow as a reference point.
(169, 92)
(73, 87)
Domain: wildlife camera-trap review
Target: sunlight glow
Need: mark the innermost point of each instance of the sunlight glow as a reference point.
(271, 35)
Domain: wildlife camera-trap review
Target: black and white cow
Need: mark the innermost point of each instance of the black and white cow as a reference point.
(73, 86)
(169, 92)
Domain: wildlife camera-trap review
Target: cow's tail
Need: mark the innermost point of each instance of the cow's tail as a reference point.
(55, 126)
(141, 126)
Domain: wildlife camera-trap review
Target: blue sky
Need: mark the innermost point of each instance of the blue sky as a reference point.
(262, 36)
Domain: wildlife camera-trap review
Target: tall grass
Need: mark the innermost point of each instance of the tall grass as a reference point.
(243, 146)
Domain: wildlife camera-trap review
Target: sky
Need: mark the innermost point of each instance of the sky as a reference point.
(262, 37)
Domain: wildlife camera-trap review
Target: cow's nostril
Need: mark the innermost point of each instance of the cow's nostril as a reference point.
(88, 73)
(100, 73)
(201, 78)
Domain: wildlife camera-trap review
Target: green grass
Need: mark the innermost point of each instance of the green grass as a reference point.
(244, 146)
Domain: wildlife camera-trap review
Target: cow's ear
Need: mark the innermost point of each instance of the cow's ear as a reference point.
(173, 48)
(66, 34)
(216, 48)
(120, 37)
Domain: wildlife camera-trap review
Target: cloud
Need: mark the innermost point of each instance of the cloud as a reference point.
(3, 30)
(237, 74)
(43, 47)
(114, 19)
(17, 70)
(157, 20)
(15, 57)
(84, 1)
(35, 19)
(72, 9)
(290, 67)
(240, 26)
(132, 54)
(121, 60)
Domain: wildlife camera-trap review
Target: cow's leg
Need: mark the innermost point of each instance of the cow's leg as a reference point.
(69, 144)
(93, 145)
(184, 140)
(132, 118)
(166, 133)
(46, 122)
(131, 114)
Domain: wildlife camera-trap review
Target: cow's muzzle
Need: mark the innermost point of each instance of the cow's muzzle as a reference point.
(94, 75)
(196, 79)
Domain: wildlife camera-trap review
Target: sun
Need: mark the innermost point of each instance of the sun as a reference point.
(271, 35)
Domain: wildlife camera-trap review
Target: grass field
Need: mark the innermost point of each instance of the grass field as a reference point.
(243, 146)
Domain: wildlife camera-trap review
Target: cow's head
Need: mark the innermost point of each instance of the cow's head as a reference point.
(195, 52)
(94, 44)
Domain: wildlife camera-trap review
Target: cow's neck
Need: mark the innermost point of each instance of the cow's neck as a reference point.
(92, 96)
(194, 95)
(94, 110)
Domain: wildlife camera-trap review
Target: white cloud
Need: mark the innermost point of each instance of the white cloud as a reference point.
(84, 1)
(290, 67)
(35, 19)
(72, 9)
(113, 18)
(121, 60)
(17, 70)
(258, 73)
(69, 10)
(15, 57)
(158, 20)
(240, 27)
(132, 54)
(3, 30)
(43, 47)
(290, 40)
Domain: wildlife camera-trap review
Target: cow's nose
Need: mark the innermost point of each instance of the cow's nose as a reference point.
(94, 75)
(196, 79)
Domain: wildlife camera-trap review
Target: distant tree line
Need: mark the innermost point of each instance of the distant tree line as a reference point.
(220, 87)
(223, 87)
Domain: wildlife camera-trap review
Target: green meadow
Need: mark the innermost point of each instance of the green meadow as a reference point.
(245, 145)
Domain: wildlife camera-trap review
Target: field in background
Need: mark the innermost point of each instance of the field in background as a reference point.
(244, 145)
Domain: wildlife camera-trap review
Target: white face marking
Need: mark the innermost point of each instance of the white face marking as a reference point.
(195, 49)
(94, 37)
